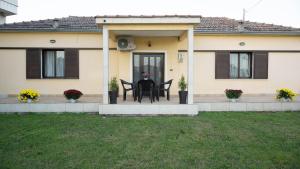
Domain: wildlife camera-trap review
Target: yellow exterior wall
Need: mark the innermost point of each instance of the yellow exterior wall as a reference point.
(283, 72)
(253, 42)
(90, 81)
(13, 74)
(12, 62)
(283, 67)
(69, 40)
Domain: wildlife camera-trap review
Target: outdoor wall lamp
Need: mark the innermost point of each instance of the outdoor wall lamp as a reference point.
(242, 43)
(52, 41)
(180, 57)
(149, 44)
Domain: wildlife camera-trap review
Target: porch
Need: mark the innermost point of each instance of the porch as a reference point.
(93, 103)
(156, 44)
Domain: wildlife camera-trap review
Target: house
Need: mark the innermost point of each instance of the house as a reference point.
(214, 53)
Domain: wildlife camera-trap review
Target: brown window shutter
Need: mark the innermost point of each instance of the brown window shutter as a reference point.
(33, 63)
(222, 66)
(260, 65)
(72, 63)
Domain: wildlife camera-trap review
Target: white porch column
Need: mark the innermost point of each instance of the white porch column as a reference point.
(105, 44)
(190, 66)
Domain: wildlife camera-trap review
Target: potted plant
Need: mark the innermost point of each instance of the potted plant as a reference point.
(72, 95)
(285, 94)
(28, 95)
(113, 90)
(182, 90)
(233, 95)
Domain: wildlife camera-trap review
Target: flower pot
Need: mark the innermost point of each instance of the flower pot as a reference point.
(113, 97)
(72, 101)
(233, 100)
(29, 100)
(183, 97)
(285, 100)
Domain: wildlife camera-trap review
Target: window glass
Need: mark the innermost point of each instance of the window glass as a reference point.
(245, 65)
(60, 63)
(146, 65)
(240, 65)
(234, 65)
(152, 67)
(54, 63)
(158, 72)
(136, 68)
(49, 64)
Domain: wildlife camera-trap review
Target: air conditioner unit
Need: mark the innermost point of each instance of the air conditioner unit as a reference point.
(125, 43)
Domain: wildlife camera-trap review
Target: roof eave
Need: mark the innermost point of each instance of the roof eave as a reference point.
(290, 33)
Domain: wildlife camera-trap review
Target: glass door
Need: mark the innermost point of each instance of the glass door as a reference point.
(150, 63)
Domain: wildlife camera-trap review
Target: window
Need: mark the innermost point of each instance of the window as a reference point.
(240, 65)
(53, 63)
(235, 65)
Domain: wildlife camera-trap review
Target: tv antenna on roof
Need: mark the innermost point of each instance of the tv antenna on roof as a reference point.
(249, 9)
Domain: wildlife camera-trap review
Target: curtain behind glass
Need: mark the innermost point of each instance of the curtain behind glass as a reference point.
(136, 68)
(145, 65)
(60, 63)
(152, 68)
(234, 65)
(158, 72)
(244, 65)
(50, 64)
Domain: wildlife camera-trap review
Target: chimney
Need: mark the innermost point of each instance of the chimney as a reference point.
(55, 23)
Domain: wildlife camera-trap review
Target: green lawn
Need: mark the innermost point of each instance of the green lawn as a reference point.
(210, 140)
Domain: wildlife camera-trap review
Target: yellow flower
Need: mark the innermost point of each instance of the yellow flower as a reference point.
(26, 94)
(285, 93)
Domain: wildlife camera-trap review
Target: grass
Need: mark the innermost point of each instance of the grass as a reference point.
(210, 140)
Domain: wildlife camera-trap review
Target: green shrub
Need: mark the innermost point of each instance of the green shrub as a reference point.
(233, 94)
(182, 84)
(113, 85)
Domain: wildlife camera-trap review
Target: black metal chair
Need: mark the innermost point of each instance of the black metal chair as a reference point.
(146, 87)
(127, 86)
(165, 89)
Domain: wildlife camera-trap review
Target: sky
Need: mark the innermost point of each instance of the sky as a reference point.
(282, 12)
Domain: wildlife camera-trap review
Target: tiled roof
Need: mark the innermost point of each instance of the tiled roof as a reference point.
(67, 24)
(222, 24)
(88, 24)
(148, 16)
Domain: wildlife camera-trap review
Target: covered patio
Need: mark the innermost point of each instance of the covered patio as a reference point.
(180, 29)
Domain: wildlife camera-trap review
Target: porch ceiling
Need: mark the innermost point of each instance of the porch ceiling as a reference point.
(146, 33)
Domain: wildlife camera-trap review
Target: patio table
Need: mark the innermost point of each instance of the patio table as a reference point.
(146, 83)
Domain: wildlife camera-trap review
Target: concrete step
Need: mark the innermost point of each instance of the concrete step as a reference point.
(147, 109)
(166, 109)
